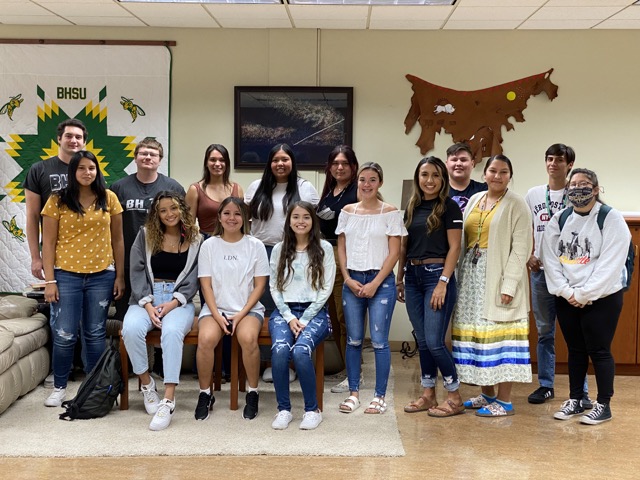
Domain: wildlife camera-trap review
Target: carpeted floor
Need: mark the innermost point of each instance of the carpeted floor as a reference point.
(30, 429)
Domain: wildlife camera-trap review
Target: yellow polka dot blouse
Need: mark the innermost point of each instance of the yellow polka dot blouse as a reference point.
(84, 241)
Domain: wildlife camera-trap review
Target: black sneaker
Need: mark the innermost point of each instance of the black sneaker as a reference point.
(541, 395)
(251, 408)
(586, 403)
(568, 409)
(601, 413)
(205, 404)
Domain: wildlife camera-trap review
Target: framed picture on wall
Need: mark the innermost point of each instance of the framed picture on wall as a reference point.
(311, 120)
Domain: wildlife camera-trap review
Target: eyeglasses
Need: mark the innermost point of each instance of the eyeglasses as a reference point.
(340, 164)
(148, 154)
(581, 185)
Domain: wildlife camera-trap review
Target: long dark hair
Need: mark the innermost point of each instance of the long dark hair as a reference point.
(261, 205)
(593, 178)
(288, 251)
(70, 196)
(206, 174)
(329, 181)
(238, 202)
(434, 221)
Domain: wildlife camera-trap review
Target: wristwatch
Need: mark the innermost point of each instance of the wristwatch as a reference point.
(444, 279)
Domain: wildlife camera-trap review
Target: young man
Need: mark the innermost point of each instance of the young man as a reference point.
(545, 201)
(47, 177)
(135, 193)
(460, 166)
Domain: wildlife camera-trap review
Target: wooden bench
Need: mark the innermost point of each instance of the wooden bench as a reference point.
(238, 374)
(153, 338)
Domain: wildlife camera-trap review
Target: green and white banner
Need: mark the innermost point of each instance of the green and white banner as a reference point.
(121, 93)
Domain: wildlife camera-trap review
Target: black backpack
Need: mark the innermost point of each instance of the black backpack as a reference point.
(99, 390)
(602, 214)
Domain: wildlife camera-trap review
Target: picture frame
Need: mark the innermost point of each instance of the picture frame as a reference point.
(311, 120)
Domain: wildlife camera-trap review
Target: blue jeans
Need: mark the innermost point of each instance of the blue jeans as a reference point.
(284, 347)
(175, 325)
(380, 308)
(430, 325)
(543, 305)
(84, 299)
(544, 311)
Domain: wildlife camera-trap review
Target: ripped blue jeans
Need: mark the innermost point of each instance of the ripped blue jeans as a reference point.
(380, 308)
(84, 299)
(285, 347)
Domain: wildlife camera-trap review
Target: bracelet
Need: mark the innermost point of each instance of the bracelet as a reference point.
(50, 281)
(399, 283)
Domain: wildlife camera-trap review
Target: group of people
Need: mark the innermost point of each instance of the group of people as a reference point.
(316, 263)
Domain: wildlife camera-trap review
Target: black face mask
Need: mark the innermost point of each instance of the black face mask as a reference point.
(580, 197)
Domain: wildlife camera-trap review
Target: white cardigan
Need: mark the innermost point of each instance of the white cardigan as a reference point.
(510, 245)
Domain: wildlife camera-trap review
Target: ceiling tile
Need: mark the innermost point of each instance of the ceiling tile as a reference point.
(500, 3)
(408, 24)
(558, 24)
(87, 9)
(629, 13)
(32, 20)
(20, 8)
(575, 13)
(619, 24)
(336, 24)
(482, 25)
(588, 3)
(106, 21)
(166, 10)
(492, 13)
(329, 12)
(381, 13)
(250, 16)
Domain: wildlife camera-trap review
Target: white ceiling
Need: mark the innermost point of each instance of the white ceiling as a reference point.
(465, 15)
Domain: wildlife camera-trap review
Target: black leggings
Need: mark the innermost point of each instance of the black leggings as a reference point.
(589, 332)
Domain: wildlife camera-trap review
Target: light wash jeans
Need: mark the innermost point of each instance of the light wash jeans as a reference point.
(175, 325)
(84, 300)
(380, 308)
(284, 347)
(543, 305)
(430, 325)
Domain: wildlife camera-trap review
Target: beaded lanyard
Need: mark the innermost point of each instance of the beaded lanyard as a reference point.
(476, 247)
(547, 201)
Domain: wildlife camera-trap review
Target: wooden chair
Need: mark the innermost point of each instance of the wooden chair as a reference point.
(238, 374)
(153, 338)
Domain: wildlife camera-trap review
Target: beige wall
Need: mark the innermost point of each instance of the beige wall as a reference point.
(596, 110)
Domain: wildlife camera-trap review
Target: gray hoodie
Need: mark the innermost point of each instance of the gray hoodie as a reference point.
(142, 278)
(583, 261)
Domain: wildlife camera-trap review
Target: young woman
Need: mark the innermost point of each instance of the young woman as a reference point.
(164, 280)
(491, 318)
(368, 246)
(302, 274)
(233, 270)
(583, 261)
(429, 255)
(83, 258)
(204, 197)
(339, 190)
(268, 199)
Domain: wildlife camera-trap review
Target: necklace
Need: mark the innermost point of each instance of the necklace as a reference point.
(547, 201)
(481, 220)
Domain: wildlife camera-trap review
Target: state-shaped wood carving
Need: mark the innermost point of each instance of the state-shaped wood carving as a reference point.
(475, 117)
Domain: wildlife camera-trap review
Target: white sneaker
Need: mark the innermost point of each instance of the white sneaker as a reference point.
(267, 376)
(282, 420)
(162, 418)
(56, 398)
(48, 382)
(311, 420)
(151, 398)
(343, 386)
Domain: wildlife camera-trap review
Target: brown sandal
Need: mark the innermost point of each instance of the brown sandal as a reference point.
(448, 409)
(418, 406)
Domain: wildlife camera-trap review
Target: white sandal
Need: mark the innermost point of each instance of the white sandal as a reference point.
(378, 404)
(350, 404)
